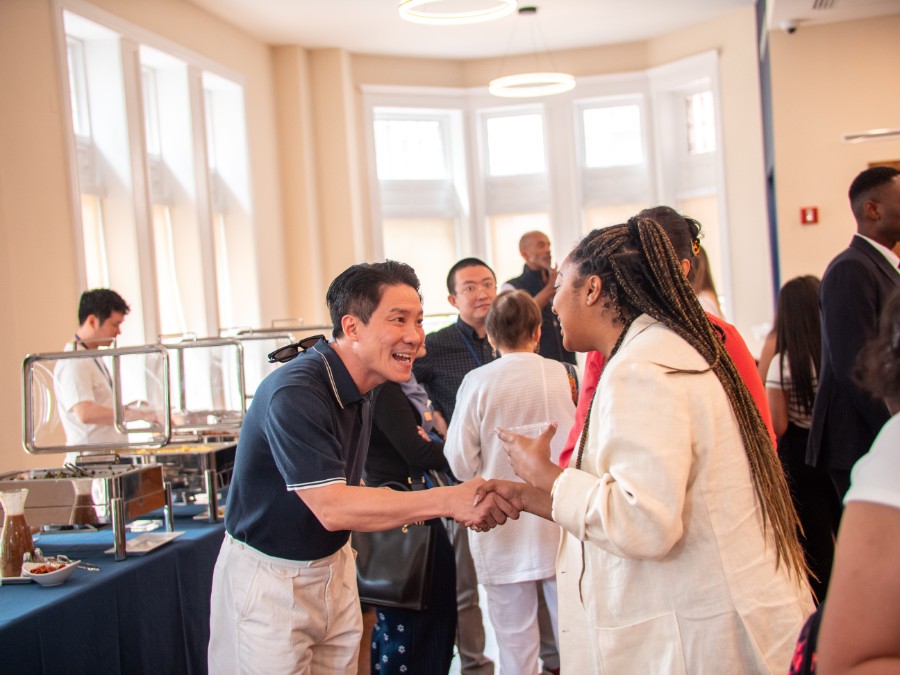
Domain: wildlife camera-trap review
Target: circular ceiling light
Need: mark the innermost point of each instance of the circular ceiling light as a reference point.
(454, 12)
(526, 85)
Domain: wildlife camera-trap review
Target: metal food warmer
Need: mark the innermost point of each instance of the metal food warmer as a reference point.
(92, 495)
(207, 404)
(257, 344)
(94, 488)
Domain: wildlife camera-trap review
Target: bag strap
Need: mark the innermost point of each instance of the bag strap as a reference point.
(411, 485)
(393, 485)
(415, 480)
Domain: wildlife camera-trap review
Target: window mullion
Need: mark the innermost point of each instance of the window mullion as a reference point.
(203, 199)
(140, 182)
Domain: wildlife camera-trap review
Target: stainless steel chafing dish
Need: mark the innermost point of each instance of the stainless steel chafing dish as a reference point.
(134, 374)
(91, 495)
(95, 489)
(206, 391)
(256, 344)
(192, 469)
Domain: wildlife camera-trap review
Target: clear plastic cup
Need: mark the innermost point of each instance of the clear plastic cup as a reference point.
(530, 430)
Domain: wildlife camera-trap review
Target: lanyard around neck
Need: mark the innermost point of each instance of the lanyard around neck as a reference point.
(97, 361)
(469, 346)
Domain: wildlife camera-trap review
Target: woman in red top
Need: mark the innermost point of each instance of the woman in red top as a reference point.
(684, 233)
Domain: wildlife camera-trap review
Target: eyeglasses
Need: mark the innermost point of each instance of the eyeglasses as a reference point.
(288, 352)
(472, 289)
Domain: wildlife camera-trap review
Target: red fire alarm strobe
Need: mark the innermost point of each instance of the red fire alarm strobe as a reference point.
(809, 215)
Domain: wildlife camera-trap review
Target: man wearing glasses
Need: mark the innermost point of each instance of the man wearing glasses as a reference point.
(451, 353)
(284, 595)
(455, 350)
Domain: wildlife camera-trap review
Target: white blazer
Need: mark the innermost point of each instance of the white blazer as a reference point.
(678, 575)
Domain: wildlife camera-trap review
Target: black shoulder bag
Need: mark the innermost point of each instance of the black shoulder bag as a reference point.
(394, 567)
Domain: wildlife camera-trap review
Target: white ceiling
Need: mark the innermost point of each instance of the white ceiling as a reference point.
(374, 26)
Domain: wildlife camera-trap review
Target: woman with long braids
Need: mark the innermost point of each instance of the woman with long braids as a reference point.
(679, 549)
(684, 234)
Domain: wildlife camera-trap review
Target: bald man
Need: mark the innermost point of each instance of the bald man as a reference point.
(538, 279)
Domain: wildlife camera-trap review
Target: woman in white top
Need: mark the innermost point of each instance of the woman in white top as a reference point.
(791, 390)
(679, 550)
(861, 622)
(514, 562)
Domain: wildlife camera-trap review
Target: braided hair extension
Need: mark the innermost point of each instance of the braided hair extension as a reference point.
(641, 274)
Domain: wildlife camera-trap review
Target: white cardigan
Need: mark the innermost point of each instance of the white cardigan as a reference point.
(678, 576)
(520, 388)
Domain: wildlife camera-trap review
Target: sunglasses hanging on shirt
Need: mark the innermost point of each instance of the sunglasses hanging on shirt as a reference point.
(288, 352)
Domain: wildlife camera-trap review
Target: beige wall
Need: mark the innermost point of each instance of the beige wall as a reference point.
(827, 81)
(40, 273)
(406, 72)
(39, 291)
(297, 143)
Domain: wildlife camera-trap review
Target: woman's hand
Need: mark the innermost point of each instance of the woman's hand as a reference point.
(530, 457)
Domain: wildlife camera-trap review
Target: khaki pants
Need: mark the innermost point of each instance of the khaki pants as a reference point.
(270, 615)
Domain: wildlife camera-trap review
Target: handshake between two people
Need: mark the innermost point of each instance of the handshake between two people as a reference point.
(481, 512)
(494, 501)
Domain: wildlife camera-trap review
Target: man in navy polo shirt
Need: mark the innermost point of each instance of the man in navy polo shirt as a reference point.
(284, 595)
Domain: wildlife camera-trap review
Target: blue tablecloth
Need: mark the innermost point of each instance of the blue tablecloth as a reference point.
(145, 614)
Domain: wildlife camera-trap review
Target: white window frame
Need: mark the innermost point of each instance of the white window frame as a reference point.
(524, 193)
(130, 39)
(616, 184)
(431, 197)
(681, 175)
(450, 202)
(569, 187)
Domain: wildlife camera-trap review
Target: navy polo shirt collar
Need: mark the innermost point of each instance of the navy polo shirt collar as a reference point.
(343, 387)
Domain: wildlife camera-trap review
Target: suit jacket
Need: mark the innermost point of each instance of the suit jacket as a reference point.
(845, 418)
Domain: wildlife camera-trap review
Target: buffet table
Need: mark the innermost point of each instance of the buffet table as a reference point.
(148, 613)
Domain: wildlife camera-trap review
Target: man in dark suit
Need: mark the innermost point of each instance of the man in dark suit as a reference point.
(854, 289)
